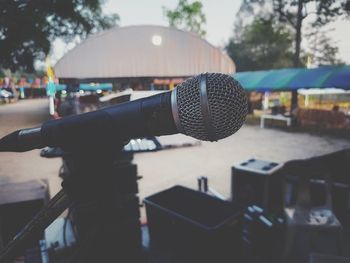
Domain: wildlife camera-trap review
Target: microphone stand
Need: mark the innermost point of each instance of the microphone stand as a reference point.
(100, 188)
(106, 206)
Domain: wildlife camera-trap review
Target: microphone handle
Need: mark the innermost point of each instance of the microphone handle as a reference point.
(22, 140)
(112, 126)
(31, 138)
(103, 129)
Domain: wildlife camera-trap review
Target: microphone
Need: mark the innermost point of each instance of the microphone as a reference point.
(209, 107)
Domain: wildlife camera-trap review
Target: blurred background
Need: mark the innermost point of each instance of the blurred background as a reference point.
(60, 58)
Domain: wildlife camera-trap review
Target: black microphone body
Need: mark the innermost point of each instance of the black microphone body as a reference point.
(101, 129)
(104, 128)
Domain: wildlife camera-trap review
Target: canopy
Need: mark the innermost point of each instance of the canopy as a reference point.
(142, 51)
(60, 87)
(87, 87)
(296, 78)
(95, 86)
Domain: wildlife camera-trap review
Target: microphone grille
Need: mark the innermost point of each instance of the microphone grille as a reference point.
(210, 106)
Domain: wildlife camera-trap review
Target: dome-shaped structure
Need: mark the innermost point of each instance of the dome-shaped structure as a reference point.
(142, 51)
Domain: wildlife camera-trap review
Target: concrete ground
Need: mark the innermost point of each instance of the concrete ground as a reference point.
(183, 165)
(28, 165)
(166, 168)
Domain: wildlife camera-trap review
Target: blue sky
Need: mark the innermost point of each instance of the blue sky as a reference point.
(220, 16)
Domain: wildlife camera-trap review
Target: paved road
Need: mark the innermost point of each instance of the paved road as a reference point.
(29, 165)
(24, 113)
(169, 167)
(181, 166)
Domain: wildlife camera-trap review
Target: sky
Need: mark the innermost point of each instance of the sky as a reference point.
(220, 15)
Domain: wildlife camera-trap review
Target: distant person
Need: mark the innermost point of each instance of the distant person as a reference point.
(13, 90)
(335, 108)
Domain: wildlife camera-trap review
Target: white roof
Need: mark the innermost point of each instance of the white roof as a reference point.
(143, 51)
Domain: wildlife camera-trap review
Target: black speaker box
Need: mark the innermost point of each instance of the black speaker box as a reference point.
(258, 182)
(19, 202)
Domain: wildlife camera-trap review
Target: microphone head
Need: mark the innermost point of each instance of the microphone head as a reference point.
(209, 107)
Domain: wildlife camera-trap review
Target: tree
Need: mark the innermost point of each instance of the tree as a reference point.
(264, 44)
(186, 16)
(322, 50)
(294, 12)
(28, 28)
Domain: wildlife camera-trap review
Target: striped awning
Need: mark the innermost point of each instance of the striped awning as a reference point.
(295, 78)
(95, 86)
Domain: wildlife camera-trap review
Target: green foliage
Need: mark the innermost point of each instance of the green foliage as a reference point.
(291, 14)
(22, 74)
(324, 11)
(186, 16)
(28, 28)
(294, 12)
(263, 44)
(323, 51)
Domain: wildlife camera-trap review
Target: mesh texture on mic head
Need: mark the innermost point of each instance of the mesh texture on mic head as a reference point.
(226, 101)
